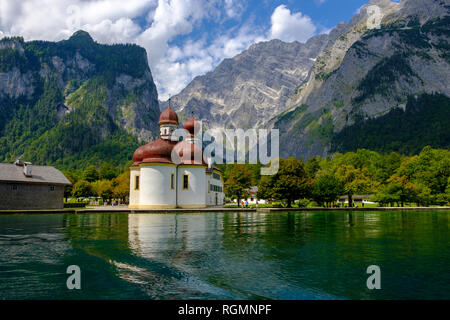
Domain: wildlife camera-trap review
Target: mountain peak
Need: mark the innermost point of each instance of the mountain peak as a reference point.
(380, 2)
(81, 35)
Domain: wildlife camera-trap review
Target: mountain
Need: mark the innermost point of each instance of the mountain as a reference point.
(248, 89)
(74, 102)
(386, 54)
(365, 74)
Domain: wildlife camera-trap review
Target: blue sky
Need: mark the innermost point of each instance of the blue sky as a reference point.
(183, 38)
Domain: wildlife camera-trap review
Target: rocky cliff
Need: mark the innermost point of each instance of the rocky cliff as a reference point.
(74, 101)
(361, 70)
(368, 71)
(250, 88)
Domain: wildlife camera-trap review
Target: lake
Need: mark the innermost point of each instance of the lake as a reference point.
(235, 255)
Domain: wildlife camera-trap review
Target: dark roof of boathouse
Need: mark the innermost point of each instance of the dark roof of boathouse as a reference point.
(12, 173)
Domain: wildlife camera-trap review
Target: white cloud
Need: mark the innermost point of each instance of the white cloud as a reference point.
(154, 24)
(107, 31)
(56, 20)
(234, 8)
(180, 65)
(291, 27)
(170, 19)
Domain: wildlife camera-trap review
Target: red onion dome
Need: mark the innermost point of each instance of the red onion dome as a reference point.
(155, 151)
(189, 153)
(168, 116)
(138, 155)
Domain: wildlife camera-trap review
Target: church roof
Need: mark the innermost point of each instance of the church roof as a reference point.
(160, 150)
(168, 116)
(155, 151)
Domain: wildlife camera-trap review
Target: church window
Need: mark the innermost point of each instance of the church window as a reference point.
(136, 182)
(185, 182)
(172, 181)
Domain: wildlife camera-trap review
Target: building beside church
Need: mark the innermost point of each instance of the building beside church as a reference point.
(26, 186)
(158, 182)
(253, 197)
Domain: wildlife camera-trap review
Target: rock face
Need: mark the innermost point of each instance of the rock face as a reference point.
(248, 89)
(66, 99)
(362, 69)
(367, 72)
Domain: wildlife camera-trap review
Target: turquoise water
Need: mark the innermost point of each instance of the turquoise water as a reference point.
(320, 255)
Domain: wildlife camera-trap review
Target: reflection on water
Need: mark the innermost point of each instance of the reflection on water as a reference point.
(320, 255)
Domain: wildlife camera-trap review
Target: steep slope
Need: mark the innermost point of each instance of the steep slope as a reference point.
(75, 101)
(367, 72)
(250, 88)
(423, 122)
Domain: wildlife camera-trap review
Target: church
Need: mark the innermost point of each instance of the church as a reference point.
(158, 182)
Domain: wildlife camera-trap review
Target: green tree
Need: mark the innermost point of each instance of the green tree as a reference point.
(68, 189)
(327, 188)
(108, 171)
(265, 188)
(82, 189)
(399, 190)
(447, 191)
(73, 176)
(90, 173)
(442, 199)
(312, 166)
(103, 189)
(387, 166)
(385, 196)
(238, 181)
(290, 183)
(354, 181)
(431, 168)
(121, 186)
(423, 195)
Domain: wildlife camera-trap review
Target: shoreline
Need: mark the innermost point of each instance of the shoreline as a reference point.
(125, 210)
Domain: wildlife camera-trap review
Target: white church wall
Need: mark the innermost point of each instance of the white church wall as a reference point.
(155, 190)
(209, 195)
(195, 195)
(134, 193)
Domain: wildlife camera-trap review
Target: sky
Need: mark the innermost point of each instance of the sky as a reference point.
(183, 38)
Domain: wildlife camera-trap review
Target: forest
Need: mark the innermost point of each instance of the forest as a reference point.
(391, 179)
(424, 121)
